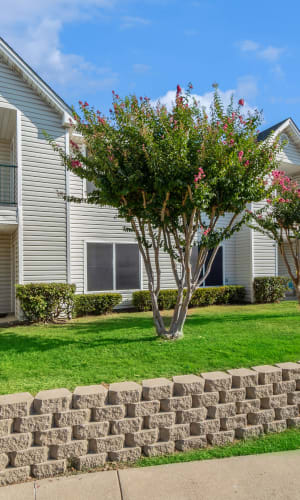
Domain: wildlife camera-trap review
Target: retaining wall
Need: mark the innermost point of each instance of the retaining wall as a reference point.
(40, 437)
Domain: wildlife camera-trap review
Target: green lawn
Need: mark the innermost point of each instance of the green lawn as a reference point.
(124, 347)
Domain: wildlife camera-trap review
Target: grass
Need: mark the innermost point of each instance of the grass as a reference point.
(124, 347)
(270, 443)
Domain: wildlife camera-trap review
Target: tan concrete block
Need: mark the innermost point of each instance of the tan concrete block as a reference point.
(217, 381)
(6, 427)
(276, 426)
(33, 423)
(141, 438)
(262, 417)
(268, 374)
(125, 455)
(205, 427)
(260, 391)
(290, 371)
(69, 450)
(293, 422)
(4, 461)
(13, 475)
(15, 405)
(53, 401)
(191, 443)
(91, 396)
(293, 398)
(72, 417)
(206, 399)
(143, 409)
(192, 415)
(159, 448)
(34, 455)
(221, 438)
(276, 401)
(126, 425)
(176, 403)
(91, 430)
(287, 412)
(222, 410)
(163, 419)
(233, 395)
(232, 423)
(174, 433)
(243, 377)
(106, 444)
(110, 412)
(124, 393)
(157, 388)
(49, 469)
(188, 384)
(90, 461)
(249, 432)
(248, 406)
(284, 387)
(15, 442)
(53, 436)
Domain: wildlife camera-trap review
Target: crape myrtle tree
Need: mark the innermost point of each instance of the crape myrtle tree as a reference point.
(280, 220)
(172, 174)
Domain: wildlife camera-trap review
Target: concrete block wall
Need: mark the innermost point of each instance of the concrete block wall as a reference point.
(40, 437)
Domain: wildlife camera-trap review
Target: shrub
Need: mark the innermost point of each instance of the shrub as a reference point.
(46, 301)
(270, 288)
(96, 303)
(231, 294)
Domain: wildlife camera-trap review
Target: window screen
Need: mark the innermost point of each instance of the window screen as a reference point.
(127, 266)
(99, 266)
(215, 276)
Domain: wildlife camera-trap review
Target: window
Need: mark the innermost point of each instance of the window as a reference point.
(112, 266)
(215, 277)
(90, 187)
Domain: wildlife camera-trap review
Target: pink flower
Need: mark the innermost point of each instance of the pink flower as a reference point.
(240, 155)
(246, 163)
(178, 90)
(75, 164)
(205, 233)
(190, 86)
(241, 102)
(200, 175)
(269, 201)
(225, 126)
(231, 141)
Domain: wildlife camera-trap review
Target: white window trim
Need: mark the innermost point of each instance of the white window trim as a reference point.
(114, 243)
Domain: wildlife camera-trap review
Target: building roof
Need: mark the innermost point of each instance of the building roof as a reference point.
(35, 81)
(266, 133)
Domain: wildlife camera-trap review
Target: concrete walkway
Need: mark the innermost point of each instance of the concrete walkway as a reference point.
(258, 477)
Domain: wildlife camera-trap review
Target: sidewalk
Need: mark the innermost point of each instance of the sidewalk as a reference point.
(273, 476)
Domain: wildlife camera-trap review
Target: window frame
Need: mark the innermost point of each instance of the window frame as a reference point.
(113, 243)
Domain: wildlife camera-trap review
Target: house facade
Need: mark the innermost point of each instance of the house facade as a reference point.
(43, 238)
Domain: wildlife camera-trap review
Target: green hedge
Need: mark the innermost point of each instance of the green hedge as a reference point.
(231, 294)
(270, 288)
(96, 303)
(46, 301)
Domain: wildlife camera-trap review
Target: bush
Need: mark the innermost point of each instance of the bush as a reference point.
(270, 288)
(95, 303)
(230, 294)
(46, 301)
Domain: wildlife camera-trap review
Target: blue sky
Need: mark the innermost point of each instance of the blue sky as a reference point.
(85, 49)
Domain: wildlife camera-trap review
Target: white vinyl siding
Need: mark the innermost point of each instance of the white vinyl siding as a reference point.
(264, 252)
(44, 212)
(291, 152)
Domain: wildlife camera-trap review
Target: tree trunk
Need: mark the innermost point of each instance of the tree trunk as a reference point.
(297, 290)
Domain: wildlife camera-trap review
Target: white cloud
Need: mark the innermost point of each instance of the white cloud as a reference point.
(141, 68)
(248, 46)
(205, 100)
(247, 87)
(271, 53)
(33, 29)
(131, 22)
